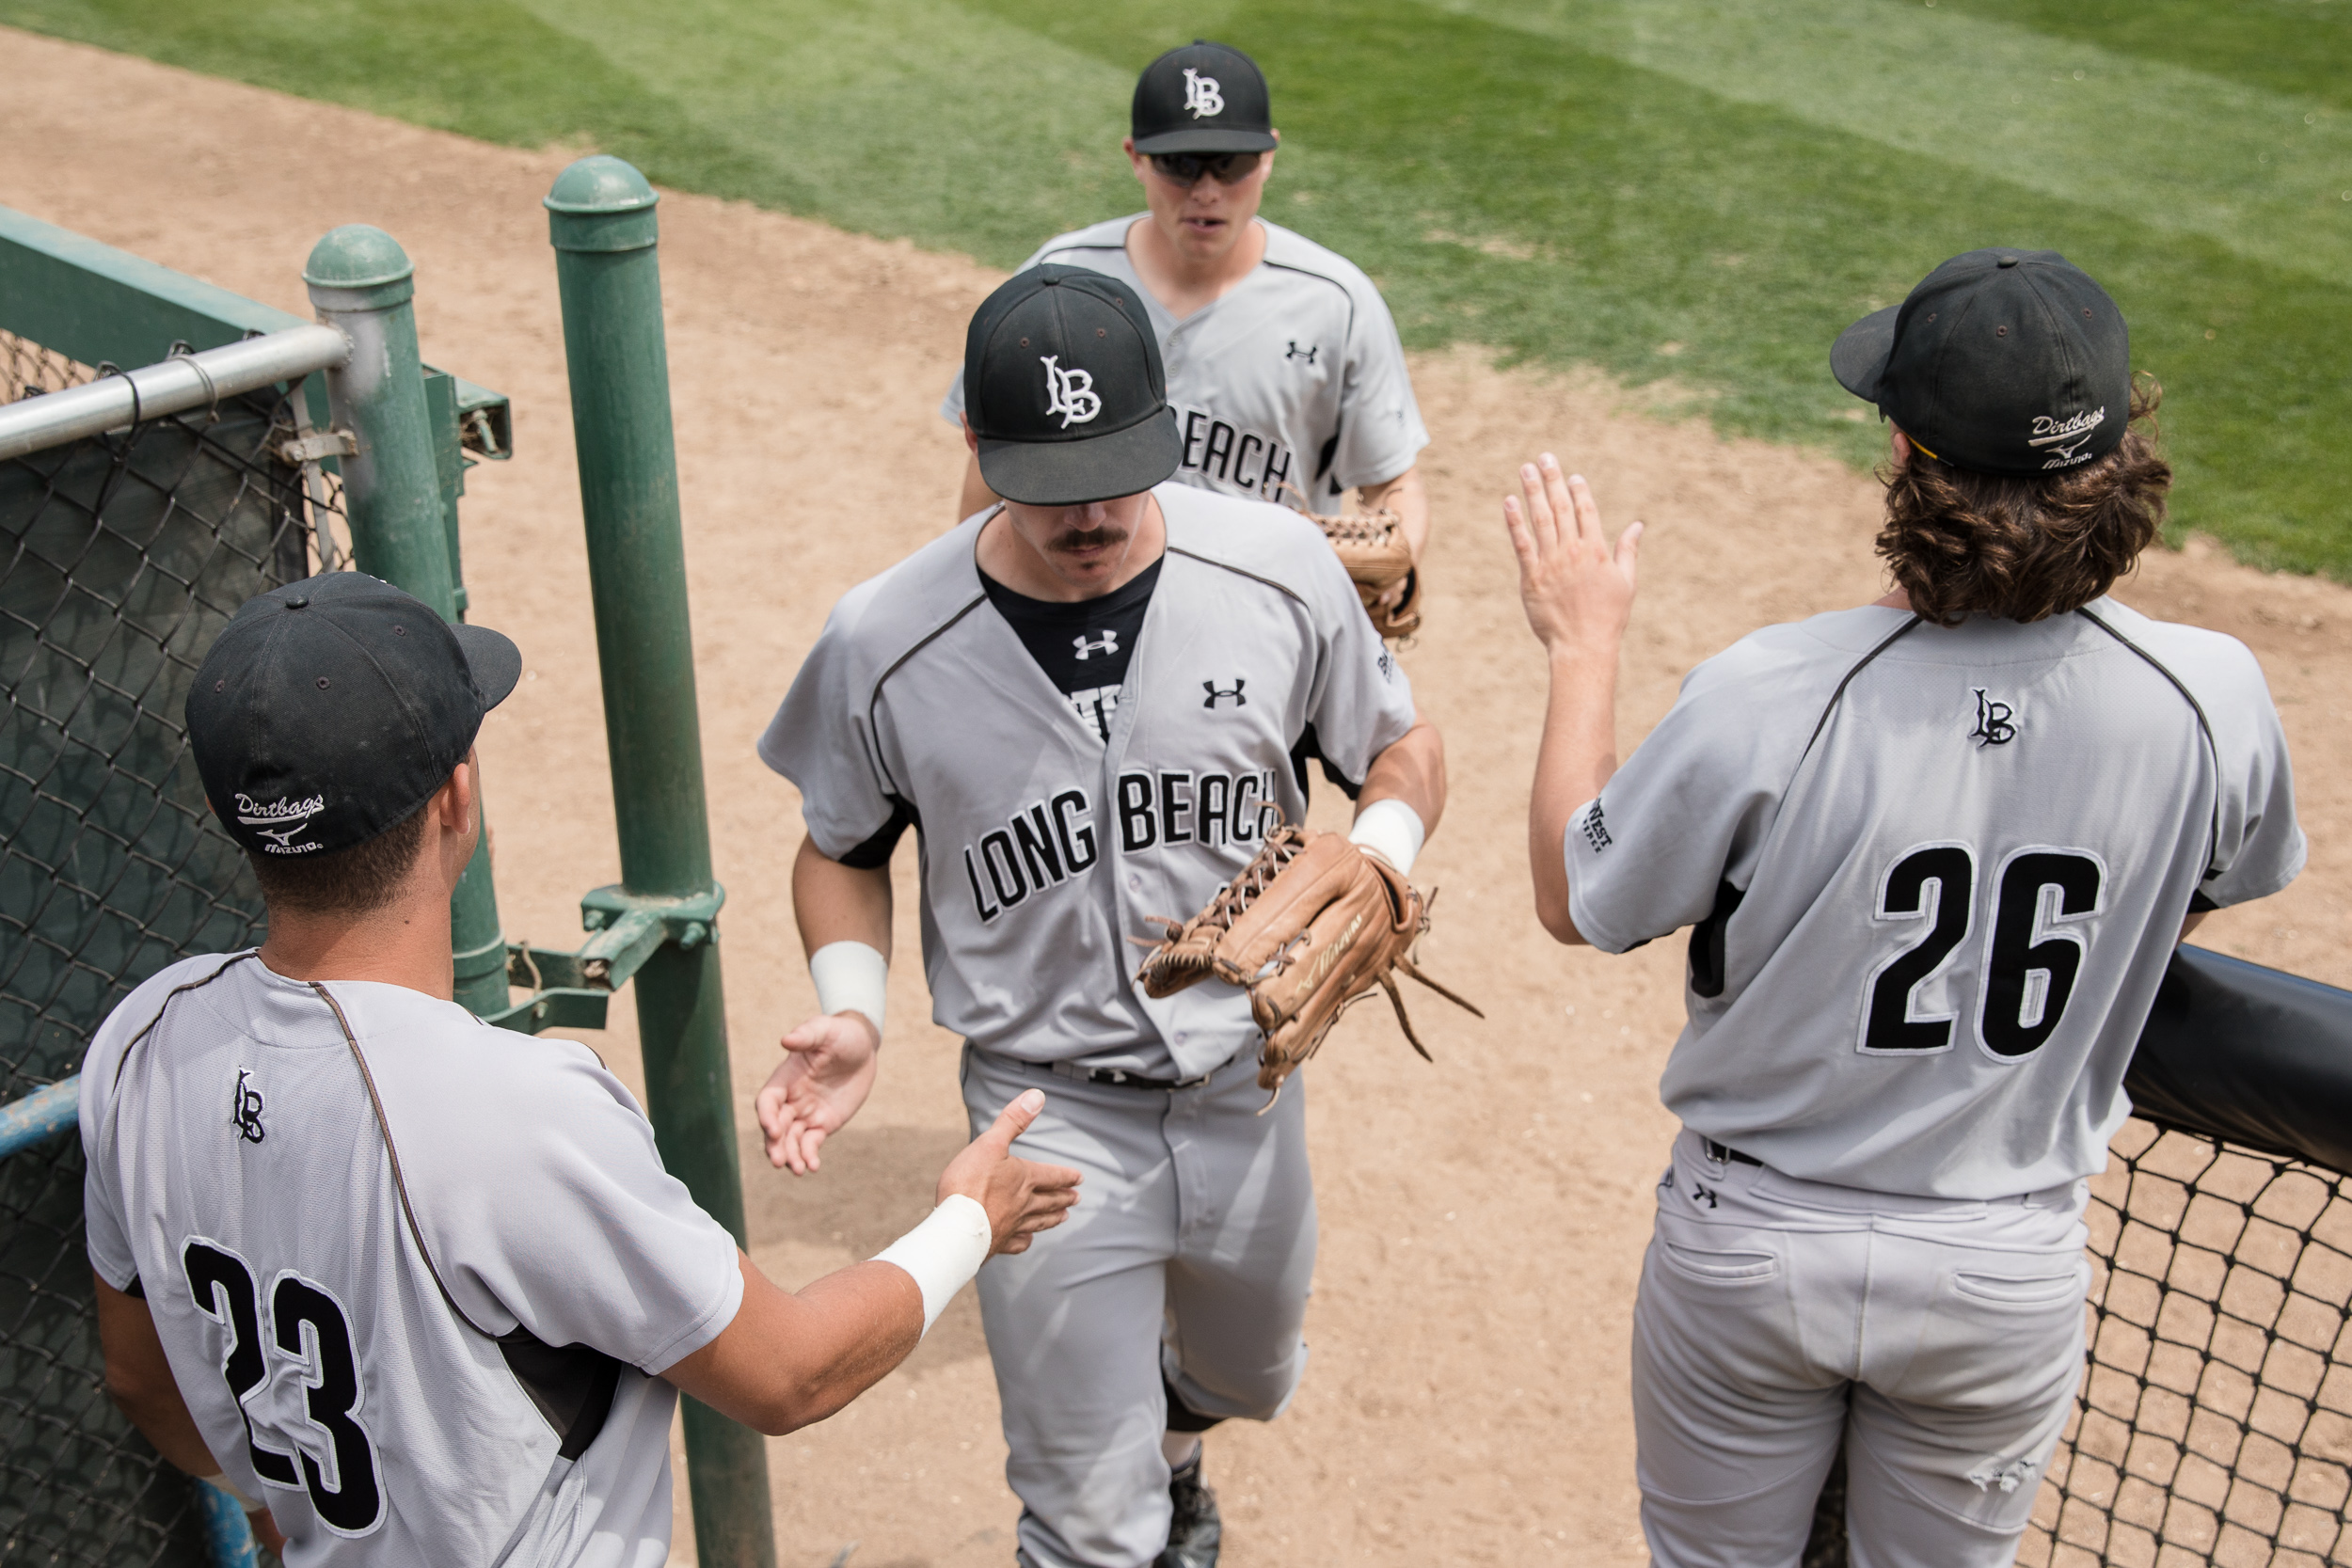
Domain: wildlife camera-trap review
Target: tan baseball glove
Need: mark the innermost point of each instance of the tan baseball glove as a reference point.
(1371, 547)
(1310, 927)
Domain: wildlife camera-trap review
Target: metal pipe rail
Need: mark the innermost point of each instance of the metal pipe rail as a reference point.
(173, 387)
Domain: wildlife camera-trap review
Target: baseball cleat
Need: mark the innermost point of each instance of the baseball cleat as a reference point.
(1195, 1532)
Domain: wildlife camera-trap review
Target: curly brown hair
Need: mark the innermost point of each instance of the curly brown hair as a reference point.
(1962, 543)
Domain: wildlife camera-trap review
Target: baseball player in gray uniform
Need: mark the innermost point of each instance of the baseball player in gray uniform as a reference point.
(416, 1289)
(1283, 365)
(1936, 852)
(1085, 700)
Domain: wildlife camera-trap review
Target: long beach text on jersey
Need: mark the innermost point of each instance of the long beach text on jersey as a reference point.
(1247, 461)
(1048, 842)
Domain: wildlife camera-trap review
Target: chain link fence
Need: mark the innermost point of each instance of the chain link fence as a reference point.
(121, 557)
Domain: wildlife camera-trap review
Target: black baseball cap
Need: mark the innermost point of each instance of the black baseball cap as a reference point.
(329, 709)
(1202, 98)
(1064, 388)
(2005, 361)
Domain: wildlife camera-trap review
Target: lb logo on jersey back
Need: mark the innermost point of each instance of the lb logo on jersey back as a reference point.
(1204, 96)
(1997, 721)
(245, 1109)
(1070, 392)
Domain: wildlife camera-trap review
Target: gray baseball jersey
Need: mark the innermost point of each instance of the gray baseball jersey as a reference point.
(1936, 876)
(1046, 847)
(1294, 377)
(416, 1278)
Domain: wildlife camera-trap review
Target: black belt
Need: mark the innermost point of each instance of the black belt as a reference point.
(1121, 1077)
(1722, 1154)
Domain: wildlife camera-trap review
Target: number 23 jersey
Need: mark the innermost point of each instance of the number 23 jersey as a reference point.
(438, 1349)
(1935, 876)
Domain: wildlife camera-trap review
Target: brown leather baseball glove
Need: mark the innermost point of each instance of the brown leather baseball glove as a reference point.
(1371, 547)
(1310, 927)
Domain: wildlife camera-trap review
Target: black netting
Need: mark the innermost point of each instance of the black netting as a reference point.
(121, 557)
(2215, 1419)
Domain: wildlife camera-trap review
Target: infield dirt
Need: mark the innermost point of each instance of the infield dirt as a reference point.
(1484, 1219)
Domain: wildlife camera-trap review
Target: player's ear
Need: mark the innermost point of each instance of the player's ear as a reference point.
(455, 801)
(971, 442)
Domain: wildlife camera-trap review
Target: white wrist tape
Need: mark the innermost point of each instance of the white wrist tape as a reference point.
(221, 1482)
(943, 1253)
(850, 975)
(1392, 830)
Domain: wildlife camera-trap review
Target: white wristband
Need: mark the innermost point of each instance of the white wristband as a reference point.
(1392, 830)
(850, 975)
(943, 1253)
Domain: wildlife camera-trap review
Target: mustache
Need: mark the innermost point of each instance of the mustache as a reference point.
(1082, 539)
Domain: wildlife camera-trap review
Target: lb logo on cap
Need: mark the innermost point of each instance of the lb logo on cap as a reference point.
(1202, 96)
(1070, 392)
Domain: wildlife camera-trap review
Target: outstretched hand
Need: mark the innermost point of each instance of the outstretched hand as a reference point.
(1021, 1196)
(827, 1072)
(1577, 590)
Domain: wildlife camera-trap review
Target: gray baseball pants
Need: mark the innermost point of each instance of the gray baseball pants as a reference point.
(1942, 1338)
(1187, 1257)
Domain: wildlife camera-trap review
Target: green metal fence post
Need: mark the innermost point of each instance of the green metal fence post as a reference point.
(600, 219)
(361, 282)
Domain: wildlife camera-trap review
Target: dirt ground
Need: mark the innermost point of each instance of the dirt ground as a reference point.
(1483, 1220)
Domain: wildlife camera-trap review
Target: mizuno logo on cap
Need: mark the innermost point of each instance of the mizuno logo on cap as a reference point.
(1202, 95)
(2066, 435)
(1070, 392)
(279, 821)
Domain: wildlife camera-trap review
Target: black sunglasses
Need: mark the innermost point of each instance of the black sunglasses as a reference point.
(1185, 168)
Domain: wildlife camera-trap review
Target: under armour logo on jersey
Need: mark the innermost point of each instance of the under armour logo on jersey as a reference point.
(246, 1114)
(1202, 95)
(1214, 695)
(1106, 644)
(1070, 392)
(1307, 354)
(1992, 723)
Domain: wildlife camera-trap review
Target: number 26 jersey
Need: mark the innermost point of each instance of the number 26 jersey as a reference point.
(1935, 876)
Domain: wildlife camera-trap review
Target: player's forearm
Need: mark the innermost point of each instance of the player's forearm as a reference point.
(841, 903)
(1412, 770)
(789, 1359)
(139, 1381)
(1405, 496)
(1575, 758)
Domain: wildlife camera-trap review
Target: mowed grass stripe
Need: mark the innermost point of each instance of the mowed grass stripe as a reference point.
(1505, 185)
(2267, 174)
(2292, 46)
(1564, 206)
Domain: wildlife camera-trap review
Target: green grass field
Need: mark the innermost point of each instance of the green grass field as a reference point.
(1689, 193)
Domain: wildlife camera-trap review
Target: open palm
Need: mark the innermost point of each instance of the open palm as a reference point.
(827, 1071)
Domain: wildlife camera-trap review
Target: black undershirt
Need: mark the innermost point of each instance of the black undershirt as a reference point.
(1082, 647)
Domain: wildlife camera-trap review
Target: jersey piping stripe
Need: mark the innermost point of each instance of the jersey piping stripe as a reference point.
(399, 1183)
(169, 996)
(1861, 664)
(2213, 845)
(890, 786)
(1239, 572)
